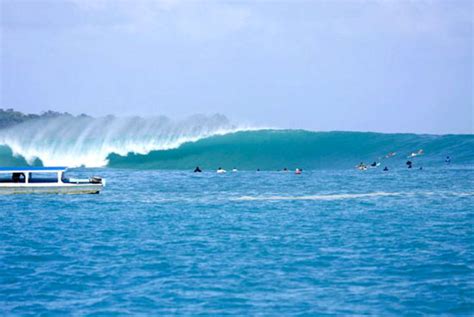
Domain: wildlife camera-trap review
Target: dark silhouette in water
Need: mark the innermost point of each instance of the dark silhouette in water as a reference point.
(197, 170)
(409, 164)
(385, 169)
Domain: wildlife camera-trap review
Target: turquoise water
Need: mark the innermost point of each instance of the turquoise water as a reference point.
(335, 241)
(246, 150)
(273, 149)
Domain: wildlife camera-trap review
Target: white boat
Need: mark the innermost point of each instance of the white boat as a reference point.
(45, 180)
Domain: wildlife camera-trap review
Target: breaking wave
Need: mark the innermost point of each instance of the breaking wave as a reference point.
(85, 141)
(275, 149)
(210, 142)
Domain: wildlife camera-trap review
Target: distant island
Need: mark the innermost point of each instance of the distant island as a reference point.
(11, 117)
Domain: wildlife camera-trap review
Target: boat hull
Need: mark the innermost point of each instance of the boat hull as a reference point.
(54, 188)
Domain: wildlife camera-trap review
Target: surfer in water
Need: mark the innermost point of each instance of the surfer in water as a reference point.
(374, 164)
(385, 169)
(409, 164)
(390, 154)
(361, 166)
(448, 160)
(197, 170)
(419, 152)
(220, 170)
(298, 171)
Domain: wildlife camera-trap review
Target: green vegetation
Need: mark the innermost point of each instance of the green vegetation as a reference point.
(10, 117)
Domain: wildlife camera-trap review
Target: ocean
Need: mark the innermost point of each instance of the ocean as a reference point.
(161, 240)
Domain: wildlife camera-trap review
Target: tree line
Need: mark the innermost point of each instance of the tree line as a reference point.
(10, 117)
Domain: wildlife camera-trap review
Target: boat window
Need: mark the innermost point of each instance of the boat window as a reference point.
(43, 178)
(12, 178)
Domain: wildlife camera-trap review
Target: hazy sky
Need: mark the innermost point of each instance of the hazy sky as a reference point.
(390, 66)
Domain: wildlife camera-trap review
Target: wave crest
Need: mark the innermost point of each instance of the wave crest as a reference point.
(85, 141)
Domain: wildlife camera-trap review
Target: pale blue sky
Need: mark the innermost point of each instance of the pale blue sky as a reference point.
(390, 66)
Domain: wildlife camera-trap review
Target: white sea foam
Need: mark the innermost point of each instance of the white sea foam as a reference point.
(85, 141)
(352, 196)
(318, 197)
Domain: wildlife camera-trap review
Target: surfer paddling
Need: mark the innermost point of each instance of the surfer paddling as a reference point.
(374, 164)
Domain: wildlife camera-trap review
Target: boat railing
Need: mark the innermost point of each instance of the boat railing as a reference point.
(43, 175)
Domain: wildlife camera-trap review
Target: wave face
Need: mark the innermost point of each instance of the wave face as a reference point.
(275, 149)
(210, 142)
(85, 141)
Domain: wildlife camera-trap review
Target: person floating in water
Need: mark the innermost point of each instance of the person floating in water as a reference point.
(385, 169)
(390, 154)
(197, 170)
(285, 170)
(420, 152)
(220, 170)
(234, 169)
(374, 164)
(298, 171)
(409, 164)
(448, 160)
(258, 170)
(361, 166)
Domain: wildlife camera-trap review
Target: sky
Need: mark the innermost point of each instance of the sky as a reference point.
(359, 65)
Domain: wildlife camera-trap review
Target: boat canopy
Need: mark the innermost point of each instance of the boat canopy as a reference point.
(31, 169)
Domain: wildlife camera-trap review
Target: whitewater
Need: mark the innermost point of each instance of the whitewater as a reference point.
(159, 238)
(211, 142)
(85, 141)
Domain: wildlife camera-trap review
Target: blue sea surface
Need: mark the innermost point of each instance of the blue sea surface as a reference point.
(245, 243)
